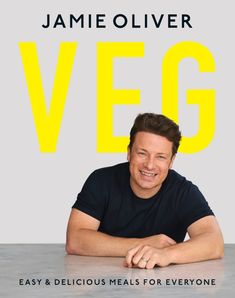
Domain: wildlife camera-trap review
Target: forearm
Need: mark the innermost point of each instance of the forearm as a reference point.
(95, 243)
(203, 247)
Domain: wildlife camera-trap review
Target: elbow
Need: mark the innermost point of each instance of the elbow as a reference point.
(219, 254)
(76, 244)
(73, 249)
(70, 250)
(219, 249)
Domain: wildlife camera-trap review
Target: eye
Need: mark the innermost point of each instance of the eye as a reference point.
(161, 157)
(141, 153)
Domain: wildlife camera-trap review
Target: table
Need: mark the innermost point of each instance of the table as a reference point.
(45, 270)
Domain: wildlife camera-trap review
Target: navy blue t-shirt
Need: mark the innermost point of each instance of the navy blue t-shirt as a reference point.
(108, 197)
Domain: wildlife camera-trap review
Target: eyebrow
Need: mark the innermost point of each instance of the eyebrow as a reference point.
(142, 149)
(158, 153)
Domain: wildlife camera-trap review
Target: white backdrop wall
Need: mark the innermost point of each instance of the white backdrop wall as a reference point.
(38, 189)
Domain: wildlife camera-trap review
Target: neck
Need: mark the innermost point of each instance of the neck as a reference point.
(144, 193)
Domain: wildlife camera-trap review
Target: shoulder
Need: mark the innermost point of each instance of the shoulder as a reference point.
(120, 168)
(180, 184)
(103, 180)
(175, 179)
(183, 190)
(110, 173)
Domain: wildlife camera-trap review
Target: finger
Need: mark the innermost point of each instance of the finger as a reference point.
(130, 254)
(151, 263)
(142, 264)
(125, 263)
(145, 259)
(142, 255)
(157, 259)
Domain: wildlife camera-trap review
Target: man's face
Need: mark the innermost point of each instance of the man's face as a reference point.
(150, 160)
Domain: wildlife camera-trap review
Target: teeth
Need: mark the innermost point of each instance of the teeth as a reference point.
(147, 174)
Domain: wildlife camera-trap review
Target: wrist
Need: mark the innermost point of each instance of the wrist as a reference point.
(138, 241)
(170, 253)
(132, 242)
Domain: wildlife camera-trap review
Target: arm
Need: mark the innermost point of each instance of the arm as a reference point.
(83, 238)
(205, 243)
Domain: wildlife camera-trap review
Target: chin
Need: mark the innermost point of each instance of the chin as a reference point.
(147, 186)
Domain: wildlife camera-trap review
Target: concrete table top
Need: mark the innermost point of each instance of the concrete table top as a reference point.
(44, 270)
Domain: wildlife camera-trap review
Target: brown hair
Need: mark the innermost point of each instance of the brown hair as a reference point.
(157, 124)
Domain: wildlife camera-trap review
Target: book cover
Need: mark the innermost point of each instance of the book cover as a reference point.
(75, 74)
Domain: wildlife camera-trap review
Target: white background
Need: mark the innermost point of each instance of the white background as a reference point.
(37, 190)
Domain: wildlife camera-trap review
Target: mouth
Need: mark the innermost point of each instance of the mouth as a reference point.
(148, 174)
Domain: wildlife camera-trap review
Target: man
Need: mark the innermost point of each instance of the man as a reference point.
(142, 209)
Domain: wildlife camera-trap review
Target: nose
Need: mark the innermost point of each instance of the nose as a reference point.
(149, 163)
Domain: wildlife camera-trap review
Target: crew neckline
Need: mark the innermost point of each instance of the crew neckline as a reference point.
(154, 197)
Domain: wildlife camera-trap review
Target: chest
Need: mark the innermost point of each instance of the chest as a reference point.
(127, 216)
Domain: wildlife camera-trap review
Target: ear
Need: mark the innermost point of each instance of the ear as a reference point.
(172, 161)
(128, 153)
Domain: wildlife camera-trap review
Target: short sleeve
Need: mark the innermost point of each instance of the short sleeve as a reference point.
(193, 206)
(91, 199)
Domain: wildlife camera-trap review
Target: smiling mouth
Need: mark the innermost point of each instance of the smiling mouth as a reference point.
(148, 174)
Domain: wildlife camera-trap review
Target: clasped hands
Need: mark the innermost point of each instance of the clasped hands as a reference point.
(151, 252)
